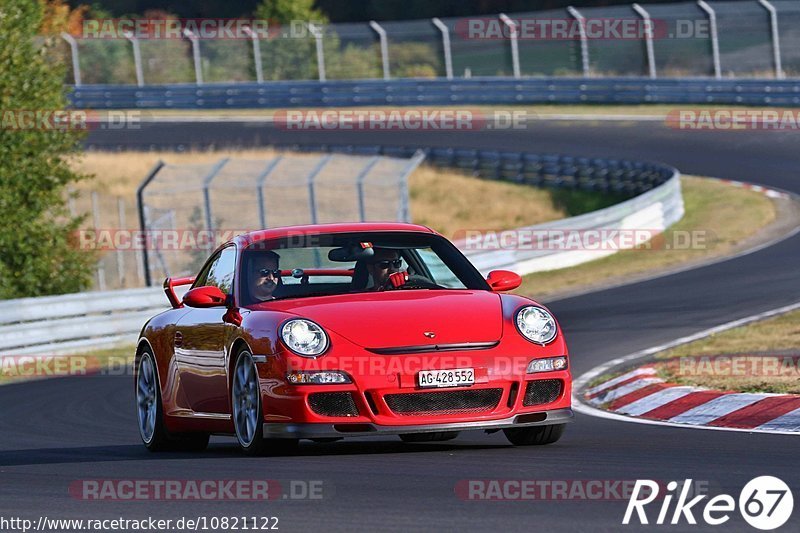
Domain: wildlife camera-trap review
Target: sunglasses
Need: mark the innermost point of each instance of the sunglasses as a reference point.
(394, 263)
(269, 272)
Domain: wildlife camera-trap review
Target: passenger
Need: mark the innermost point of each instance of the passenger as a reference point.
(384, 269)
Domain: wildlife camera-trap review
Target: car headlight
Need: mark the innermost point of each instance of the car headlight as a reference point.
(549, 364)
(536, 324)
(304, 337)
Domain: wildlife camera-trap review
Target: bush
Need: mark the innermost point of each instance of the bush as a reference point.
(36, 255)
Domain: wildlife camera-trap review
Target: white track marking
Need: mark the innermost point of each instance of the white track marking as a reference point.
(788, 422)
(657, 399)
(648, 371)
(716, 408)
(619, 392)
(582, 407)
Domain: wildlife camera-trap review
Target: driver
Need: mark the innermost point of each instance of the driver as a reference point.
(384, 269)
(265, 275)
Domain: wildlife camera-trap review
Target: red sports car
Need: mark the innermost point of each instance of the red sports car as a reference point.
(348, 330)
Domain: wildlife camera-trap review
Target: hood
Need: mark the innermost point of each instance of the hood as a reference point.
(400, 318)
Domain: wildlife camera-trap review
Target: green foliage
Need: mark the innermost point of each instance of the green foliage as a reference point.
(577, 202)
(36, 255)
(285, 11)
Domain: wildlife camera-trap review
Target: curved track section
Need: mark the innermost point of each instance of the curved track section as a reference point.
(59, 431)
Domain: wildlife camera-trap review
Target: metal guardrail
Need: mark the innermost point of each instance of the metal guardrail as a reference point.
(743, 38)
(237, 193)
(70, 323)
(473, 91)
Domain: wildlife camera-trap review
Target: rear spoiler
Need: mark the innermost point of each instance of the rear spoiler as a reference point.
(169, 289)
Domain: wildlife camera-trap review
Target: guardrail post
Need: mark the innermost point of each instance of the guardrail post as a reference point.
(581, 20)
(712, 22)
(256, 54)
(512, 37)
(207, 191)
(776, 38)
(403, 212)
(448, 58)
(101, 268)
(143, 219)
(262, 178)
(76, 64)
(317, 33)
(198, 65)
(137, 58)
(648, 39)
(312, 199)
(362, 211)
(384, 47)
(120, 253)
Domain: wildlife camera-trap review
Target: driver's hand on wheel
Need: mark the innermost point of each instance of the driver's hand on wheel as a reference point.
(398, 279)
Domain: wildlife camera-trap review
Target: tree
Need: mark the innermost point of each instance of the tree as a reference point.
(37, 255)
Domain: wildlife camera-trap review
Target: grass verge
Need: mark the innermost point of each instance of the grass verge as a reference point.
(718, 218)
(759, 357)
(443, 199)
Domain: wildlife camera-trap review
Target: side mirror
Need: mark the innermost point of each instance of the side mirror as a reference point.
(204, 297)
(503, 280)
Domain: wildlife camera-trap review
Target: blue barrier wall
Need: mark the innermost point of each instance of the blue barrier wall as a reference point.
(407, 92)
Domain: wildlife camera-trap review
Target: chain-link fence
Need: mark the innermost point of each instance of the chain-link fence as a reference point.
(186, 210)
(749, 38)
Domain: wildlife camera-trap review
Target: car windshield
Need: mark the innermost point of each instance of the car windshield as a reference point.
(320, 265)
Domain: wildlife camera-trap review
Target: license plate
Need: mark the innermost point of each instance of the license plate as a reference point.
(456, 377)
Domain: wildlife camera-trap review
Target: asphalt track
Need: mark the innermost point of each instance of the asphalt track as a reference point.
(58, 431)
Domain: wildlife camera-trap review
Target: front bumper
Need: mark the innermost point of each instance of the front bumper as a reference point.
(349, 429)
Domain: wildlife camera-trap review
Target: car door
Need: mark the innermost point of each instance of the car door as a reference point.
(200, 342)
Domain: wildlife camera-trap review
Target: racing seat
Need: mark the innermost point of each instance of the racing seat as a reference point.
(360, 277)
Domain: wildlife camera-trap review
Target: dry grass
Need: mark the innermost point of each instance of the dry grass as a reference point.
(445, 200)
(774, 337)
(775, 334)
(450, 202)
(726, 215)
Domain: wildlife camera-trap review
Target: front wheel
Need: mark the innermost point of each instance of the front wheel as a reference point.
(247, 411)
(536, 435)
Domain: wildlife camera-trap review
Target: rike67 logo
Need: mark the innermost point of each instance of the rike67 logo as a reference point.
(765, 503)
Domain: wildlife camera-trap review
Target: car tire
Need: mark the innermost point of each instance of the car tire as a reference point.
(536, 435)
(247, 412)
(150, 414)
(438, 436)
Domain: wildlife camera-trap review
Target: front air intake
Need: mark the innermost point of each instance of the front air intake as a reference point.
(542, 391)
(333, 404)
(444, 402)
